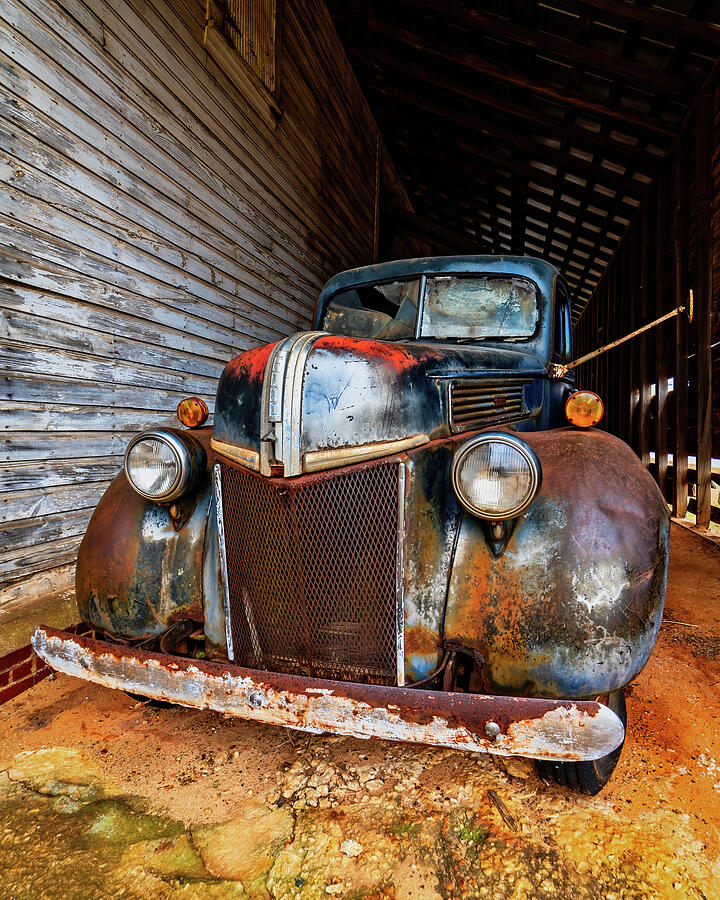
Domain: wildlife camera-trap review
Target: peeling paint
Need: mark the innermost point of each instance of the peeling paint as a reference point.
(602, 583)
(538, 728)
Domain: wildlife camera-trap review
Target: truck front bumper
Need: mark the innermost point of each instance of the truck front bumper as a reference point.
(565, 730)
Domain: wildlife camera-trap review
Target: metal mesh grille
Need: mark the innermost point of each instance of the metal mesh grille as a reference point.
(311, 572)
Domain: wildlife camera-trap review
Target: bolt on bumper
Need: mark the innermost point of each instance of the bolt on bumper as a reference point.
(567, 730)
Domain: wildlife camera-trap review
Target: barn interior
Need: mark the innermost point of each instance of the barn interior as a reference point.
(583, 133)
(181, 177)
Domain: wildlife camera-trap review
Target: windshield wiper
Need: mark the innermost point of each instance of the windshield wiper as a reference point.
(465, 340)
(476, 340)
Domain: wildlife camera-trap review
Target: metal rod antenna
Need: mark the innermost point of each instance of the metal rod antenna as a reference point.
(594, 353)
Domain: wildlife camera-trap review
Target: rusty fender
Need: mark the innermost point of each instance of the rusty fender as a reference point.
(139, 570)
(507, 726)
(572, 606)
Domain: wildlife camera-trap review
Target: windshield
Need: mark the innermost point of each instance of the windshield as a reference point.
(482, 307)
(381, 311)
(485, 307)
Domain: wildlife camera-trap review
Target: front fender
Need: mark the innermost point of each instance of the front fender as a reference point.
(136, 574)
(573, 605)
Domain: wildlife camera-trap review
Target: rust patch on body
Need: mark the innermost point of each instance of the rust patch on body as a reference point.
(419, 639)
(136, 570)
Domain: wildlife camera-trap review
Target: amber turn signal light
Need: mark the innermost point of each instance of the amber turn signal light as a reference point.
(584, 409)
(192, 412)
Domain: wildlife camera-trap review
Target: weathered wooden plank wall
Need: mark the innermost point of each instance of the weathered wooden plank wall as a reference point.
(671, 247)
(152, 225)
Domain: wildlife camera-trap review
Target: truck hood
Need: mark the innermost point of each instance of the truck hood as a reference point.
(304, 400)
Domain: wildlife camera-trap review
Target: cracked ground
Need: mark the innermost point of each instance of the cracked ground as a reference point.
(102, 796)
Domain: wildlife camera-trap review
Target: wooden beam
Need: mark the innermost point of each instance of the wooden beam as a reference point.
(605, 358)
(644, 401)
(434, 219)
(661, 336)
(446, 238)
(632, 291)
(603, 293)
(475, 63)
(518, 222)
(626, 358)
(672, 23)
(438, 210)
(619, 368)
(543, 42)
(594, 258)
(597, 334)
(465, 181)
(615, 206)
(704, 145)
(555, 127)
(515, 141)
(679, 261)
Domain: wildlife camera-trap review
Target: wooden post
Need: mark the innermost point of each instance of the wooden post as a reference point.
(606, 333)
(644, 402)
(614, 367)
(376, 211)
(632, 291)
(703, 301)
(621, 355)
(662, 351)
(628, 350)
(602, 339)
(679, 261)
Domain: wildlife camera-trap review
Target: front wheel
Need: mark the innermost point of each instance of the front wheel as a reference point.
(589, 776)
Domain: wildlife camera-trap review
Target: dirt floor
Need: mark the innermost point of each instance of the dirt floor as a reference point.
(101, 796)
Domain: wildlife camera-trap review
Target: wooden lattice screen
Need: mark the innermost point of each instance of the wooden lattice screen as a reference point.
(251, 27)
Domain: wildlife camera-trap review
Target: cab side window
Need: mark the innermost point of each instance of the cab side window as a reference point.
(563, 325)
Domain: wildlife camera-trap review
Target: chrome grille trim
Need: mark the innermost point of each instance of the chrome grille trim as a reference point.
(472, 401)
(290, 415)
(217, 486)
(281, 403)
(400, 577)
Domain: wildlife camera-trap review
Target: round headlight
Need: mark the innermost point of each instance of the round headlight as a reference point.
(162, 465)
(496, 475)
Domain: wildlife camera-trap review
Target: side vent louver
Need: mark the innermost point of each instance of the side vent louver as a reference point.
(476, 402)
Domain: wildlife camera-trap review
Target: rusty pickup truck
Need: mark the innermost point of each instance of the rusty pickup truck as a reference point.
(402, 524)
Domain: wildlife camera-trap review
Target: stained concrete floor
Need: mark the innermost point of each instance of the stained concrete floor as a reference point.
(101, 796)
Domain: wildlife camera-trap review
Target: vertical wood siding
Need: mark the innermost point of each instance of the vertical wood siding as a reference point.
(152, 225)
(671, 247)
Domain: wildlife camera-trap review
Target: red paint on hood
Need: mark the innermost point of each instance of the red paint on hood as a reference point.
(250, 365)
(394, 354)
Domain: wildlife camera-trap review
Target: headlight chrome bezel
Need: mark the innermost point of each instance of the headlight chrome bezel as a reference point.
(520, 446)
(189, 455)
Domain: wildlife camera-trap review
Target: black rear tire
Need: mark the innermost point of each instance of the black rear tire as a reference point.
(589, 776)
